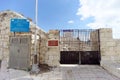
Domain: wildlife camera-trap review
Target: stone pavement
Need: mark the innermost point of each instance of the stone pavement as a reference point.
(64, 72)
(86, 72)
(112, 66)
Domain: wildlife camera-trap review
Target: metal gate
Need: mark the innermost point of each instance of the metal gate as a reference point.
(69, 57)
(79, 46)
(19, 52)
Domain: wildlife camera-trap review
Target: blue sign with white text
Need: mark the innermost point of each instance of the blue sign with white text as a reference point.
(19, 25)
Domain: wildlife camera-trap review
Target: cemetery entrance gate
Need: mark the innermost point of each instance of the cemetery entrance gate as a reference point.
(79, 46)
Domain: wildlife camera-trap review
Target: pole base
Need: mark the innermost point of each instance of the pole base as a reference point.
(35, 69)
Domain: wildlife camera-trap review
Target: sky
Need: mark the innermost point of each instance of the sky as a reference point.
(69, 14)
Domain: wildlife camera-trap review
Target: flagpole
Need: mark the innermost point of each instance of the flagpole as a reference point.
(36, 21)
(35, 68)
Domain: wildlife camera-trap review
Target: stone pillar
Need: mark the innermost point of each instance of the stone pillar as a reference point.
(107, 45)
(53, 54)
(94, 38)
(117, 50)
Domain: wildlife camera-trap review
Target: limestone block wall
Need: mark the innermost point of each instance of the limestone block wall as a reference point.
(4, 35)
(5, 17)
(110, 48)
(94, 40)
(73, 44)
(85, 46)
(117, 50)
(53, 54)
(43, 48)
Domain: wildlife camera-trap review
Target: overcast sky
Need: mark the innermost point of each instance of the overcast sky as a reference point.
(69, 14)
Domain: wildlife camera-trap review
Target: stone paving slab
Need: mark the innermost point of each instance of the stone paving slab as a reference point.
(63, 72)
(112, 67)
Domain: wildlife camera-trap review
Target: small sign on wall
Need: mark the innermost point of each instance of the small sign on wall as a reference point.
(53, 43)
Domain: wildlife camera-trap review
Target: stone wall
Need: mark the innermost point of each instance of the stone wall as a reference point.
(70, 42)
(110, 48)
(53, 55)
(46, 55)
(5, 17)
(43, 48)
(94, 40)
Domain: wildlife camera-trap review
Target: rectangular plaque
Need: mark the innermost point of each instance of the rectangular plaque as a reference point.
(53, 43)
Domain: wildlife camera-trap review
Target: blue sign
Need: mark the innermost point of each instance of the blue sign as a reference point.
(19, 25)
(68, 30)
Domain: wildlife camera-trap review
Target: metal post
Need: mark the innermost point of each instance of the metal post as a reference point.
(35, 68)
(36, 19)
(79, 47)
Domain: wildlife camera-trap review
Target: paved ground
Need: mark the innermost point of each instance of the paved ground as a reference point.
(64, 72)
(83, 72)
